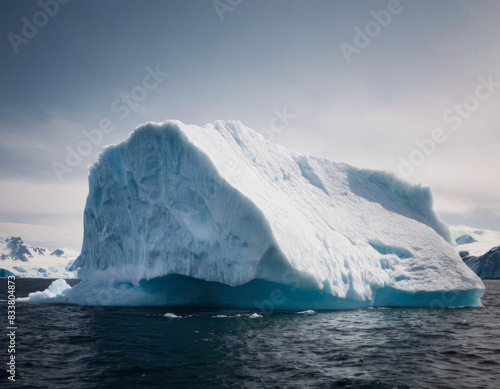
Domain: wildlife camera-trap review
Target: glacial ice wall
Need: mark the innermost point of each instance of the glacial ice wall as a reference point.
(221, 207)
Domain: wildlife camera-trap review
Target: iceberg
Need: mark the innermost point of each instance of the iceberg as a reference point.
(216, 216)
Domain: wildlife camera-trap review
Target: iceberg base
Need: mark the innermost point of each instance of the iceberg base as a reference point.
(183, 291)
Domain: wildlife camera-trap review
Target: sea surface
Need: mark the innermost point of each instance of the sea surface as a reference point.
(59, 346)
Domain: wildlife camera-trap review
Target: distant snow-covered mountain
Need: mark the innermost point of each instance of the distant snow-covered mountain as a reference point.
(24, 260)
(475, 241)
(479, 249)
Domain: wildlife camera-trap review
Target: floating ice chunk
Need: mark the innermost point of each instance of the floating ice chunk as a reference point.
(172, 316)
(308, 312)
(54, 293)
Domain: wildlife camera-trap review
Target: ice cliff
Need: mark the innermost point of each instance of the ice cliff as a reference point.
(218, 216)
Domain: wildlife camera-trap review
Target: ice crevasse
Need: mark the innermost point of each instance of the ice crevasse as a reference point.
(182, 215)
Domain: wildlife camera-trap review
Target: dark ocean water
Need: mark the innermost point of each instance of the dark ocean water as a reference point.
(84, 347)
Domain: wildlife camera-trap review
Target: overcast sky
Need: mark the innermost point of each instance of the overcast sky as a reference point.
(364, 80)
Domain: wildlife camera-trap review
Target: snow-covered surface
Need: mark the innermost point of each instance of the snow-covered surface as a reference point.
(485, 239)
(184, 215)
(25, 260)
